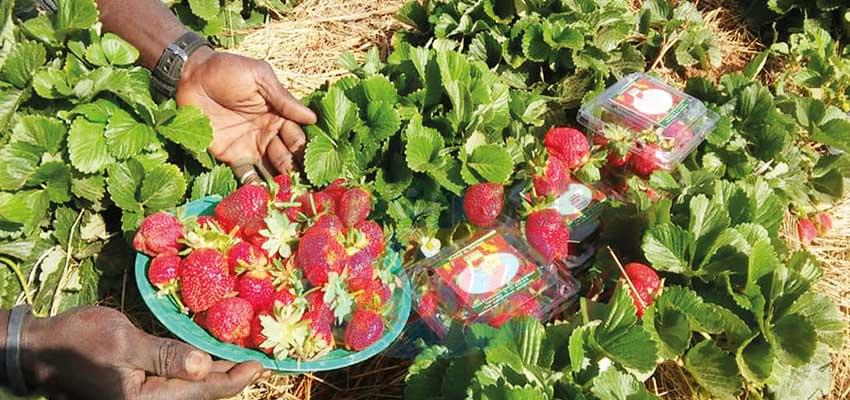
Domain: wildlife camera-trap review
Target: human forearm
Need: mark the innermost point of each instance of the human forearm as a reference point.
(147, 24)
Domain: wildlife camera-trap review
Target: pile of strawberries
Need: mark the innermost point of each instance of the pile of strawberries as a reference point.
(288, 271)
(546, 230)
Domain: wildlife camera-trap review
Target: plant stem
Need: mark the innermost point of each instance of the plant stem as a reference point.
(17, 270)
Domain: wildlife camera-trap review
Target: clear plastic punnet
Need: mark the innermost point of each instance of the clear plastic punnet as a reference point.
(490, 277)
(580, 204)
(662, 123)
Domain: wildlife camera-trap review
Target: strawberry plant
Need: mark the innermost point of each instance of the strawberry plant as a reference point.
(224, 22)
(678, 34)
(86, 155)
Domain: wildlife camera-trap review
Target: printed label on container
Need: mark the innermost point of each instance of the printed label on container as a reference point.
(651, 101)
(487, 272)
(579, 204)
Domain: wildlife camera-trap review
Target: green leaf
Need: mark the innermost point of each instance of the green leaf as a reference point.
(189, 128)
(492, 162)
(74, 15)
(824, 316)
(835, 133)
(337, 114)
(810, 381)
(22, 63)
(218, 181)
(426, 373)
(322, 161)
(112, 50)
(671, 328)
(795, 339)
(382, 119)
(20, 161)
(423, 146)
(714, 369)
(207, 10)
(665, 247)
(10, 99)
(534, 47)
(163, 187)
(87, 146)
(57, 177)
(612, 384)
(90, 188)
(623, 341)
(123, 183)
(707, 220)
(44, 132)
(755, 359)
(125, 136)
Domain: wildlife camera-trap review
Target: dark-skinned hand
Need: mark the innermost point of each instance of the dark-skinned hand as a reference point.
(97, 353)
(255, 119)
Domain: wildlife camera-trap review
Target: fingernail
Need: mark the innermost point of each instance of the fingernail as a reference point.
(266, 375)
(194, 362)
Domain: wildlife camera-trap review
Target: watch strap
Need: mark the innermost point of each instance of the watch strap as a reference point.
(166, 75)
(14, 333)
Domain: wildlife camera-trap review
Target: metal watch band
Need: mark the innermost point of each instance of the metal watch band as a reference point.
(14, 332)
(170, 64)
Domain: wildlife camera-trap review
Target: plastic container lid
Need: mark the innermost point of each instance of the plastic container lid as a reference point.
(660, 121)
(490, 277)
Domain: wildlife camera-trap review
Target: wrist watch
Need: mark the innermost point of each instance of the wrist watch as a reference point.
(167, 72)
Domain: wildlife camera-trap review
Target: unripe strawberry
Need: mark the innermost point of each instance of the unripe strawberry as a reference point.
(806, 231)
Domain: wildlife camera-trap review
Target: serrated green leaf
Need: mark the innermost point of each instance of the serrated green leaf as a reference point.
(795, 339)
(763, 260)
(189, 128)
(534, 47)
(426, 373)
(835, 133)
(74, 15)
(824, 316)
(755, 359)
(87, 147)
(44, 132)
(20, 161)
(423, 146)
(810, 381)
(162, 188)
(337, 114)
(125, 136)
(492, 163)
(218, 181)
(612, 384)
(10, 100)
(666, 246)
(117, 50)
(123, 184)
(90, 188)
(322, 161)
(382, 119)
(207, 10)
(22, 63)
(56, 177)
(714, 369)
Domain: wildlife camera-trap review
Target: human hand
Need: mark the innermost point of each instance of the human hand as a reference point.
(97, 353)
(255, 119)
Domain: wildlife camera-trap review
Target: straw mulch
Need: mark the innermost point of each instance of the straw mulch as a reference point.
(303, 47)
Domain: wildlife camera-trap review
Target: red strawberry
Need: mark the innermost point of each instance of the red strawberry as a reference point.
(360, 271)
(374, 296)
(547, 232)
(374, 238)
(159, 233)
(483, 203)
(354, 206)
(806, 231)
(283, 297)
(257, 288)
(284, 184)
(256, 338)
(204, 279)
(427, 307)
(329, 222)
(313, 204)
(599, 140)
(499, 319)
(318, 308)
(553, 180)
(164, 270)
(646, 284)
(643, 162)
(335, 190)
(824, 222)
(247, 205)
(569, 145)
(201, 319)
(245, 256)
(365, 328)
(319, 252)
(229, 320)
(320, 324)
(243, 342)
(615, 160)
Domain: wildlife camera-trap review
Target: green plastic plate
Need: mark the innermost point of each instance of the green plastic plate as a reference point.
(187, 330)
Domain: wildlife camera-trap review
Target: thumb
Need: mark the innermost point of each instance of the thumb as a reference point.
(281, 100)
(170, 358)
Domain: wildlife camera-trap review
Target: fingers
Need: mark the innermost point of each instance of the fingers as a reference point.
(226, 383)
(246, 174)
(279, 156)
(293, 137)
(281, 100)
(172, 359)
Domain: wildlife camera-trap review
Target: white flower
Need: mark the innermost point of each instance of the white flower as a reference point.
(604, 364)
(430, 247)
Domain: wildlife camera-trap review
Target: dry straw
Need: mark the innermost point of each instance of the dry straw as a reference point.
(303, 47)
